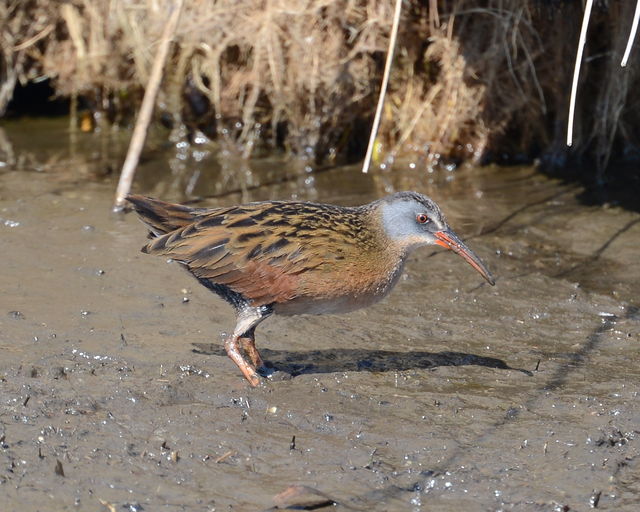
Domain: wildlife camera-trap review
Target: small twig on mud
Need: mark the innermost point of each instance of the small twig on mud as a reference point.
(383, 87)
(109, 506)
(146, 109)
(58, 470)
(576, 71)
(224, 456)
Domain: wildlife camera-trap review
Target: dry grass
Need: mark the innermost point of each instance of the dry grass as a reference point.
(471, 80)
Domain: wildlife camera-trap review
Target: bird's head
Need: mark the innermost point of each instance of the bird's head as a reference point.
(413, 220)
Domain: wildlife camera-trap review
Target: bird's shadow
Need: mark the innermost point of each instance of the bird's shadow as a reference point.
(354, 360)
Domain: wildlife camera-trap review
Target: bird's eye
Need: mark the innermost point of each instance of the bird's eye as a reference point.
(422, 218)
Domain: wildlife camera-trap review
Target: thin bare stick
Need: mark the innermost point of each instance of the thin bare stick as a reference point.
(224, 456)
(383, 87)
(33, 40)
(434, 19)
(146, 109)
(576, 70)
(632, 35)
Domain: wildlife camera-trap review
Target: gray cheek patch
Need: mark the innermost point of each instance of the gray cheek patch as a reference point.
(397, 219)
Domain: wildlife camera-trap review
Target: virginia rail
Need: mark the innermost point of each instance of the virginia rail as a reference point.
(292, 257)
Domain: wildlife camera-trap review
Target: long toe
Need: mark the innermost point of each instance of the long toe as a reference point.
(253, 378)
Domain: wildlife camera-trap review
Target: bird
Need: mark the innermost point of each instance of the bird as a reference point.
(296, 257)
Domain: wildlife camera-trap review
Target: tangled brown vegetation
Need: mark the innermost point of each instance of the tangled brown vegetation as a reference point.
(471, 79)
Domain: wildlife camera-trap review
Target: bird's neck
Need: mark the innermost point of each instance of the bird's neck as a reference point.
(386, 258)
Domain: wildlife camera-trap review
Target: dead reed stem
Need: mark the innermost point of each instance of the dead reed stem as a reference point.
(146, 109)
(383, 87)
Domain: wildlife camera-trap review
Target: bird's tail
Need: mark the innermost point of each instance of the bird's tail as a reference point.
(161, 217)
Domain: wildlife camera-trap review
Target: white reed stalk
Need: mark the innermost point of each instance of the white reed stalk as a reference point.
(576, 71)
(632, 35)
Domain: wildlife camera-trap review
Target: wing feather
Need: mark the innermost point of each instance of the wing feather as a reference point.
(234, 247)
(265, 252)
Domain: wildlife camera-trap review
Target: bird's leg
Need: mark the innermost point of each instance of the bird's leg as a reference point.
(248, 344)
(243, 336)
(231, 346)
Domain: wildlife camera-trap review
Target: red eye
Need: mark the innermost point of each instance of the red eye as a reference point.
(422, 218)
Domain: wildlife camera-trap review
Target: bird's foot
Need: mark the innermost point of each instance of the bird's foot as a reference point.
(231, 346)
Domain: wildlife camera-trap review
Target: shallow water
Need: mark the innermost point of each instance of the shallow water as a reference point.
(115, 393)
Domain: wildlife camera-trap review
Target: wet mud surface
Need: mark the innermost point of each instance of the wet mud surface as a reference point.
(116, 394)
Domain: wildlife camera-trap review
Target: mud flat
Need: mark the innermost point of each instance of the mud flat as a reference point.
(115, 392)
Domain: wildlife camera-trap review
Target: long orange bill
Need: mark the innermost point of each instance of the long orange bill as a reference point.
(449, 240)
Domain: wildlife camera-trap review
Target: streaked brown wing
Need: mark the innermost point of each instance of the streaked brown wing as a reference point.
(162, 217)
(252, 249)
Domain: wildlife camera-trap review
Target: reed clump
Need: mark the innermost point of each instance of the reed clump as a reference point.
(472, 80)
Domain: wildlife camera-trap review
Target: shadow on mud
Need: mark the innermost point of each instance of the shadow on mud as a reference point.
(351, 360)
